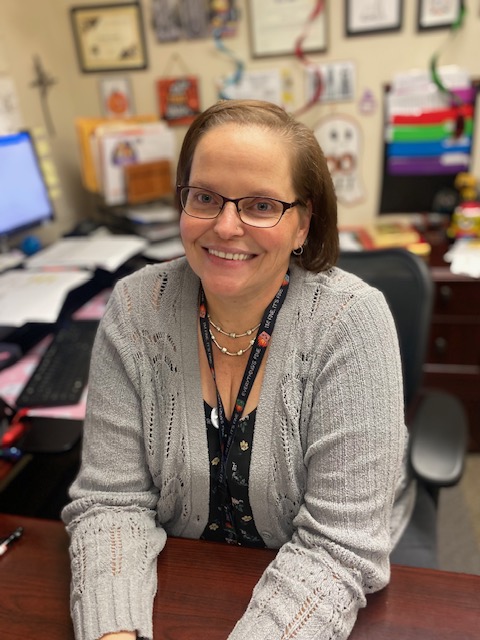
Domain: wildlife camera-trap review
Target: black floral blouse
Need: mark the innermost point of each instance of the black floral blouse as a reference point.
(243, 532)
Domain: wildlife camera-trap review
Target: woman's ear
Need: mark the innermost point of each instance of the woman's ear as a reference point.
(305, 219)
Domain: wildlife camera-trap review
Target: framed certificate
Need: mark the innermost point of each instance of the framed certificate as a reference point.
(438, 15)
(109, 37)
(276, 26)
(364, 17)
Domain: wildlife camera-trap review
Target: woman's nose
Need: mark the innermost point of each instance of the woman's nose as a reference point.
(228, 221)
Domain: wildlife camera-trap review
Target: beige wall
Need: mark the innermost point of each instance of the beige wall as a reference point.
(29, 27)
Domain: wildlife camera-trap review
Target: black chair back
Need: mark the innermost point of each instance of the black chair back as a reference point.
(406, 283)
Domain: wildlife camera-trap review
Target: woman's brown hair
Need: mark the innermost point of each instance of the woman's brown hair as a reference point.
(310, 175)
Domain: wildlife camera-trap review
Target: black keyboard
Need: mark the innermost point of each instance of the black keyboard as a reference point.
(62, 373)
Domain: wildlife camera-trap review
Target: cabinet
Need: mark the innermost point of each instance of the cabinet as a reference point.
(453, 359)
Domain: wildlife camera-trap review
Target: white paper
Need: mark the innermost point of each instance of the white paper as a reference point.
(10, 116)
(107, 253)
(259, 85)
(32, 296)
(348, 241)
(11, 259)
(415, 91)
(464, 257)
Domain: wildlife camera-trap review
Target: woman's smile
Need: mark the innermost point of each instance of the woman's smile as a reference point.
(230, 255)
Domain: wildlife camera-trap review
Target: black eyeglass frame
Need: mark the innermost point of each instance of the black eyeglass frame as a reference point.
(286, 205)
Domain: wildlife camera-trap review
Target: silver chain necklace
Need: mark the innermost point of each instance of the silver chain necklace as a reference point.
(248, 332)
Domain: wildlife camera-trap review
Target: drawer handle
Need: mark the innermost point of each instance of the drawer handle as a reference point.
(441, 346)
(446, 293)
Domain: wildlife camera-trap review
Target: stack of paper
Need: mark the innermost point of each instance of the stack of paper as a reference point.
(155, 222)
(92, 252)
(107, 147)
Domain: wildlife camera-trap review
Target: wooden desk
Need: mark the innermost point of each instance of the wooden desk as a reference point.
(34, 584)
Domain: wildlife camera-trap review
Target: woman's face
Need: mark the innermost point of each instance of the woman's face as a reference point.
(233, 260)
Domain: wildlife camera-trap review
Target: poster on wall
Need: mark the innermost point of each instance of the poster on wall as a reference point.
(338, 80)
(178, 99)
(340, 138)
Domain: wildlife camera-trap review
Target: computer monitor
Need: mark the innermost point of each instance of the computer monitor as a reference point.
(24, 199)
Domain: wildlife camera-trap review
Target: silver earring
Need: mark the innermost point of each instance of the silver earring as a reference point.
(298, 252)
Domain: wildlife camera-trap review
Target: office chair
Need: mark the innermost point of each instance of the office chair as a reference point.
(436, 419)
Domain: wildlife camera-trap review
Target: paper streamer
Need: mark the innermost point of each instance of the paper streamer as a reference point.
(455, 99)
(236, 76)
(300, 54)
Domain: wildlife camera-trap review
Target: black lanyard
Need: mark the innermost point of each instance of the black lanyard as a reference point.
(227, 429)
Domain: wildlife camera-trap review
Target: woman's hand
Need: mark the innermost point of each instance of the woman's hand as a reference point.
(120, 635)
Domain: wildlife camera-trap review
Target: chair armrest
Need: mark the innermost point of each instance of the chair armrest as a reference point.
(438, 439)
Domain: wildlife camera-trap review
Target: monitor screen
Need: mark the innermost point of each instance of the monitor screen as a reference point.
(24, 199)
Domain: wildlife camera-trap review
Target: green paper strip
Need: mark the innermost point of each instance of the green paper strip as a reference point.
(417, 133)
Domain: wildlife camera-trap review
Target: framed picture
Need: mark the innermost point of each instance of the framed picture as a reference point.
(116, 97)
(438, 15)
(109, 37)
(275, 27)
(364, 17)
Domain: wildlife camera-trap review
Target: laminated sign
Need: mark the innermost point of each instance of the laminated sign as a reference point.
(178, 99)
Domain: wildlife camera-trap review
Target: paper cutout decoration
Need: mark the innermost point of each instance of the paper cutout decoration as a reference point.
(116, 97)
(340, 138)
(317, 80)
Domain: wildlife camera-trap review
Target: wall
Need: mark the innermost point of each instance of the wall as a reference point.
(30, 27)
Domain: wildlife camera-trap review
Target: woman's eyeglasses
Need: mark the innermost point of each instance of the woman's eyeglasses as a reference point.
(256, 211)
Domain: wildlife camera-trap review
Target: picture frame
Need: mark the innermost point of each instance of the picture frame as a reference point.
(275, 27)
(109, 37)
(116, 97)
(433, 15)
(364, 17)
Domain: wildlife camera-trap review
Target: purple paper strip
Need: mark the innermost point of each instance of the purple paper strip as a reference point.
(422, 167)
(465, 95)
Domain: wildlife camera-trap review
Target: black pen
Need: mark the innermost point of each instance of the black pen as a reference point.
(11, 538)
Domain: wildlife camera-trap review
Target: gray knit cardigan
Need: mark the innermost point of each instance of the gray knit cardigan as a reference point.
(327, 485)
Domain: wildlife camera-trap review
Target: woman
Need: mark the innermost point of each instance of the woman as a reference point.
(250, 393)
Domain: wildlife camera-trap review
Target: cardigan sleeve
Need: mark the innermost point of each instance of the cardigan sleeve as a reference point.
(356, 440)
(111, 520)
